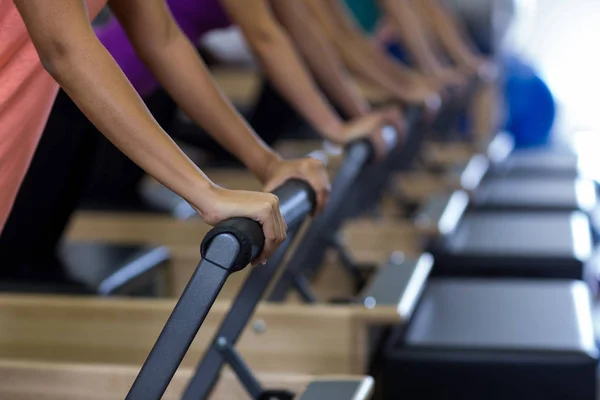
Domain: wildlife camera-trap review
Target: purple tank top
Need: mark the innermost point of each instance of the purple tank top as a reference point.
(195, 18)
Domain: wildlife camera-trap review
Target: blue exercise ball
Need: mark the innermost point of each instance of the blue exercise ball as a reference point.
(530, 109)
(530, 106)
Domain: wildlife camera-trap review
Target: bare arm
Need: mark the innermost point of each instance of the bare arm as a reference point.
(402, 15)
(321, 56)
(283, 66)
(165, 49)
(449, 32)
(73, 55)
(362, 57)
(177, 65)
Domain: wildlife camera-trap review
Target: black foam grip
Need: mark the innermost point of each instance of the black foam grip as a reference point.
(297, 199)
(368, 145)
(248, 233)
(297, 184)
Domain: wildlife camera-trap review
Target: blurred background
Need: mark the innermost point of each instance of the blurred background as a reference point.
(558, 38)
(553, 37)
(465, 261)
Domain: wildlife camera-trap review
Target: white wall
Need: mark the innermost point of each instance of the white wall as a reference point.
(563, 41)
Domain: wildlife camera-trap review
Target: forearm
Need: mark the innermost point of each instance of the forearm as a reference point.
(344, 93)
(333, 77)
(448, 33)
(194, 90)
(321, 56)
(359, 55)
(90, 76)
(288, 74)
(407, 23)
(369, 63)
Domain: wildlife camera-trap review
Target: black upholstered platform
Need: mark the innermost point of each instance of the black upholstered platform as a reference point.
(495, 339)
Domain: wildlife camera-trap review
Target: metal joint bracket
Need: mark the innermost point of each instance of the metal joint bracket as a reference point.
(440, 215)
(400, 284)
(469, 176)
(500, 147)
(350, 389)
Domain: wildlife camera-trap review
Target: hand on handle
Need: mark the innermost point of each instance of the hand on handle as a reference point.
(370, 126)
(308, 169)
(260, 207)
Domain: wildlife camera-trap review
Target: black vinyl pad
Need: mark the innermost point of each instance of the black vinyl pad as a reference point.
(522, 234)
(536, 193)
(519, 315)
(473, 339)
(540, 162)
(511, 244)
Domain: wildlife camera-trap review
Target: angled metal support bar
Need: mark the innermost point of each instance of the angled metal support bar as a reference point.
(232, 326)
(185, 320)
(227, 248)
(311, 249)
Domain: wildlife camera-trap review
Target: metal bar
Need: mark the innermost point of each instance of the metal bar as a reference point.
(232, 326)
(311, 249)
(185, 320)
(239, 366)
(303, 287)
(374, 180)
(227, 248)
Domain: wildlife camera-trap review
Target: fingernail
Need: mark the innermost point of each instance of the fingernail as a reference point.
(264, 262)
